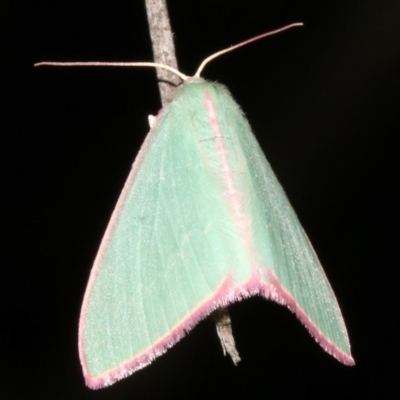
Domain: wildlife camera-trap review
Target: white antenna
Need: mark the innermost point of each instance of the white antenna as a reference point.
(156, 65)
(234, 47)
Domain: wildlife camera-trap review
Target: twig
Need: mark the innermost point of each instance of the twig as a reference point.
(163, 47)
(164, 53)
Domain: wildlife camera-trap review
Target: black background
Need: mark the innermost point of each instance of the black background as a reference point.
(322, 101)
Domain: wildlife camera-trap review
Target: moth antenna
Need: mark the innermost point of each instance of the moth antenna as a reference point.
(167, 67)
(234, 47)
(112, 64)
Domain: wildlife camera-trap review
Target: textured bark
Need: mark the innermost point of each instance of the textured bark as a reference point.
(223, 324)
(163, 47)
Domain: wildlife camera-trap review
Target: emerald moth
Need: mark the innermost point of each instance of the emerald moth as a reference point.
(201, 222)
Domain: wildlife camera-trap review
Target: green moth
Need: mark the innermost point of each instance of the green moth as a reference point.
(201, 222)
